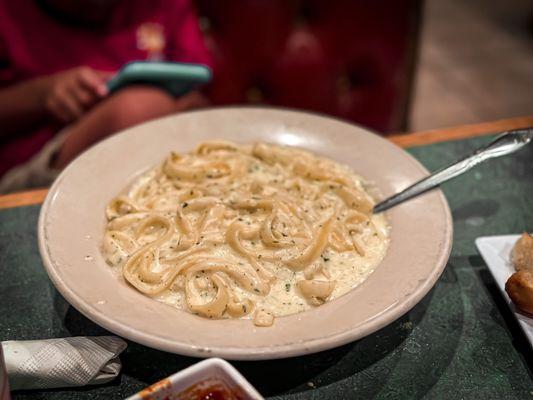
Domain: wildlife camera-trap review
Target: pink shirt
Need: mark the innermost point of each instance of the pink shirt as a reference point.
(33, 44)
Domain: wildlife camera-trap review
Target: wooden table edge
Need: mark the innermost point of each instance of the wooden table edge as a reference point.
(20, 199)
(33, 197)
(460, 132)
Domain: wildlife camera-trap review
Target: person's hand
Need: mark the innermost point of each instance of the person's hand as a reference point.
(72, 92)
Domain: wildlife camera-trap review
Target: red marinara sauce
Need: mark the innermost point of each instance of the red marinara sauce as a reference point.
(211, 389)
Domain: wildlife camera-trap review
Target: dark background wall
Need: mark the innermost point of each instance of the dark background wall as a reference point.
(476, 62)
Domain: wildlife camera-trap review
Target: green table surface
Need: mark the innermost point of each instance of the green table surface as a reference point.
(460, 341)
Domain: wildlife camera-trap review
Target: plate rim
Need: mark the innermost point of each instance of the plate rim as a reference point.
(294, 349)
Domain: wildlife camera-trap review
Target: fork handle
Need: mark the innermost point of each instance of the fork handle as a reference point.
(507, 143)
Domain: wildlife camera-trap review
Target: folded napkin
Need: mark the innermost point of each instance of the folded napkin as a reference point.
(54, 363)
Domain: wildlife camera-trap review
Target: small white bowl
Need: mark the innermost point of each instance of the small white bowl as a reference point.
(214, 369)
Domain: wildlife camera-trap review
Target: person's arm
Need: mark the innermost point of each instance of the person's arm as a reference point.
(191, 101)
(22, 105)
(64, 96)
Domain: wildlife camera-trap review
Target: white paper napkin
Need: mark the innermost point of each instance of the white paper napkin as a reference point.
(54, 363)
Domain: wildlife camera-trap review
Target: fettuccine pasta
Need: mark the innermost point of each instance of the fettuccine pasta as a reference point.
(234, 231)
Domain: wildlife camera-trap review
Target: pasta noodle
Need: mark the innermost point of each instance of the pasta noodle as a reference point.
(234, 231)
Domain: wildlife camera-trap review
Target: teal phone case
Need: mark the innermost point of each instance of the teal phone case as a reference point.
(176, 78)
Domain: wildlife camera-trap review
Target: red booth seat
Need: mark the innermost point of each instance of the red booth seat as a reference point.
(347, 58)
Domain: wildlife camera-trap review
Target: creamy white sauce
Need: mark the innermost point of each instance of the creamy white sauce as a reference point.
(347, 269)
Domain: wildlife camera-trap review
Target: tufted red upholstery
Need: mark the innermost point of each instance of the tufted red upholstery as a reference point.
(348, 58)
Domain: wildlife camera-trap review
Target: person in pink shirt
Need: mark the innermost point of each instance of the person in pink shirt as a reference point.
(55, 59)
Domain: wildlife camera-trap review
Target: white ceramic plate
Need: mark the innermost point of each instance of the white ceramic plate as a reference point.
(72, 222)
(496, 251)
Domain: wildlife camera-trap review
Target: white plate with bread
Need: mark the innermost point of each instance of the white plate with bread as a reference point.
(501, 259)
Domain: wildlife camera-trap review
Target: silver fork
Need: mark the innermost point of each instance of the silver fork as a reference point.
(506, 143)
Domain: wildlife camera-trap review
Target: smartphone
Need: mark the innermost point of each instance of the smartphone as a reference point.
(176, 78)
